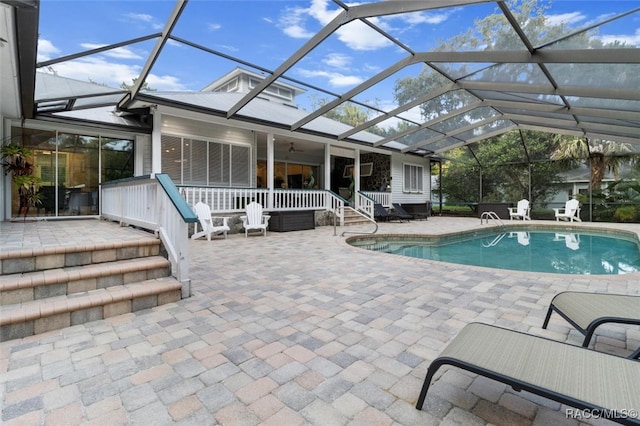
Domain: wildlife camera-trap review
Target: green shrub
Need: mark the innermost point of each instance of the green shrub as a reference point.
(626, 214)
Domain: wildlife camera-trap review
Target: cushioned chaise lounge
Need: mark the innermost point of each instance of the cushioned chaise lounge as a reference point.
(569, 374)
(587, 311)
(399, 211)
(382, 214)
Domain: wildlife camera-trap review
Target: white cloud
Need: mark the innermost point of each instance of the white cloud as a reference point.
(118, 52)
(213, 26)
(165, 82)
(359, 36)
(292, 23)
(144, 18)
(356, 35)
(570, 18)
(337, 60)
(628, 39)
(140, 17)
(335, 79)
(229, 48)
(432, 18)
(46, 50)
(112, 74)
(296, 31)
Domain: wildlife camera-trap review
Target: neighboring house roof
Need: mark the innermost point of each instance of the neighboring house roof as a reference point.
(583, 174)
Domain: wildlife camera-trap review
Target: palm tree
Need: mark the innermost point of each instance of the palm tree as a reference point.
(600, 155)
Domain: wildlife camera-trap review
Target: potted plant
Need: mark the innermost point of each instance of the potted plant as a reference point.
(15, 162)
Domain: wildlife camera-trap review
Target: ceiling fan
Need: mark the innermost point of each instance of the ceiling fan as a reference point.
(292, 148)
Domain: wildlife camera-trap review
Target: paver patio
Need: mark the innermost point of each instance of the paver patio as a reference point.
(295, 328)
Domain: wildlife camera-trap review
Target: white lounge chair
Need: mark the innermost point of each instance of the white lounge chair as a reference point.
(521, 211)
(205, 219)
(571, 211)
(254, 219)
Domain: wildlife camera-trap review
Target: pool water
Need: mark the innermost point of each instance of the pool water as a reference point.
(532, 251)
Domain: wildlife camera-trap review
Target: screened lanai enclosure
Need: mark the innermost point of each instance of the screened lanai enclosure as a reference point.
(545, 169)
(508, 99)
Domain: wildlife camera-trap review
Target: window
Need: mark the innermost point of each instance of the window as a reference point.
(275, 90)
(201, 162)
(231, 86)
(412, 178)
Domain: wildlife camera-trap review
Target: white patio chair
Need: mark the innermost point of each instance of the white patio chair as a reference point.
(571, 240)
(523, 237)
(571, 211)
(521, 211)
(254, 219)
(205, 220)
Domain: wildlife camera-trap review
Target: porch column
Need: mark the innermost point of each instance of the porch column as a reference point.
(356, 176)
(270, 168)
(156, 142)
(327, 167)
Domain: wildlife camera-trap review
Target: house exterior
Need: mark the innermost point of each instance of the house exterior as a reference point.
(74, 153)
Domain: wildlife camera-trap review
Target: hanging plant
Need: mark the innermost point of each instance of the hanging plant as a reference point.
(15, 162)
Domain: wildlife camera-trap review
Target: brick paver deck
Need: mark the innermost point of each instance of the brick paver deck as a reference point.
(293, 329)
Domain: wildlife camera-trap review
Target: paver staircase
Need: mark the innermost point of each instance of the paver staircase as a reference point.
(55, 287)
(352, 217)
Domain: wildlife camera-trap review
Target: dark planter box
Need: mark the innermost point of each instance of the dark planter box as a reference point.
(418, 210)
(283, 221)
(501, 209)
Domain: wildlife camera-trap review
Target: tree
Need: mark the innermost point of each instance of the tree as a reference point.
(500, 163)
(600, 155)
(145, 85)
(504, 172)
(347, 113)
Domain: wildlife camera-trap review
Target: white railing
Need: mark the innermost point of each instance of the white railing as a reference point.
(234, 200)
(383, 198)
(153, 203)
(364, 203)
(224, 199)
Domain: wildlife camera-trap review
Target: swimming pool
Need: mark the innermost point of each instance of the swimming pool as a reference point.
(560, 251)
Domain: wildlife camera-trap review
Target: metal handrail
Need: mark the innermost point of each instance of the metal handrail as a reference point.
(491, 215)
(363, 233)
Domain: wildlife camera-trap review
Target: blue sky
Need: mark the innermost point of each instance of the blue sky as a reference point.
(265, 33)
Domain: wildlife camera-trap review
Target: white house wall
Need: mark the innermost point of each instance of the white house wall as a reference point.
(398, 160)
(196, 129)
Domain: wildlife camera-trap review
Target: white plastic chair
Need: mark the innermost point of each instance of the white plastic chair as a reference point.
(205, 219)
(254, 219)
(522, 236)
(571, 240)
(571, 211)
(521, 211)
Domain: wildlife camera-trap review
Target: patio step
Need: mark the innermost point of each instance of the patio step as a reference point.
(51, 288)
(352, 217)
(54, 313)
